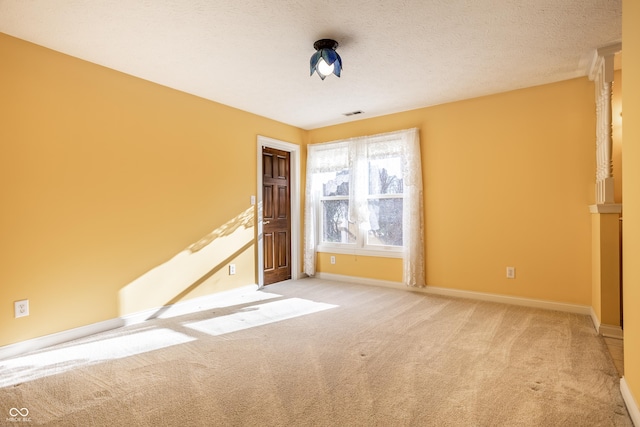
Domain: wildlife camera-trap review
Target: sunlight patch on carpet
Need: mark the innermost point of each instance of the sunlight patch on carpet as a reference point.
(259, 315)
(59, 360)
(220, 302)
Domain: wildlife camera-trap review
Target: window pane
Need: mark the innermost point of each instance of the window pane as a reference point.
(385, 220)
(334, 183)
(335, 226)
(385, 176)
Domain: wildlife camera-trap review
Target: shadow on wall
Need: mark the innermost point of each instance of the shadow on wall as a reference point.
(171, 281)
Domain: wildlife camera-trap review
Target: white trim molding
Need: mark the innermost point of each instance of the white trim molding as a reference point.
(598, 64)
(630, 401)
(601, 72)
(360, 280)
(457, 293)
(35, 344)
(351, 250)
(608, 208)
(184, 307)
(609, 331)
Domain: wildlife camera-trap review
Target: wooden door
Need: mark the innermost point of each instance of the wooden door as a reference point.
(276, 218)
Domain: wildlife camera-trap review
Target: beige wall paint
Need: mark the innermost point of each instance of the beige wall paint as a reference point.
(113, 189)
(631, 193)
(508, 180)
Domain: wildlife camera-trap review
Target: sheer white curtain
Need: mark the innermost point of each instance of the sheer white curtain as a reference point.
(321, 158)
(356, 155)
(413, 273)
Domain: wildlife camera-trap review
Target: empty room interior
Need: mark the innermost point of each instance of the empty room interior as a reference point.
(303, 213)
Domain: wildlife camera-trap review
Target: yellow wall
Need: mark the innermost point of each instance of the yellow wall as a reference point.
(508, 180)
(631, 193)
(122, 195)
(117, 194)
(388, 269)
(605, 264)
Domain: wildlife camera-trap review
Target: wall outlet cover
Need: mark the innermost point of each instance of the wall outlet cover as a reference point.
(21, 308)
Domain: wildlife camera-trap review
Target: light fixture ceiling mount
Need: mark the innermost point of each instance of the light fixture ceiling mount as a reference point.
(326, 60)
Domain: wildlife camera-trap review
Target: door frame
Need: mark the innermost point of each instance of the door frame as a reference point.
(294, 187)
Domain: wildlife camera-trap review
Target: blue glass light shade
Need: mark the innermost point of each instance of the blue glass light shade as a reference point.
(326, 50)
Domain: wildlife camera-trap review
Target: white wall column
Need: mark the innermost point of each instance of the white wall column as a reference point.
(602, 74)
(605, 226)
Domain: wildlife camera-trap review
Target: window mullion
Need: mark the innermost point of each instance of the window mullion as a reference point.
(368, 222)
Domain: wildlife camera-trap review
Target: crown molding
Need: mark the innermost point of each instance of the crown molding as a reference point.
(600, 55)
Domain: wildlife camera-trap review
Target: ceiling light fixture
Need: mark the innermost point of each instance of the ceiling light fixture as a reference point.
(326, 60)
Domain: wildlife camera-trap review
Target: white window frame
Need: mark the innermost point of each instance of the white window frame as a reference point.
(412, 252)
(360, 246)
(396, 250)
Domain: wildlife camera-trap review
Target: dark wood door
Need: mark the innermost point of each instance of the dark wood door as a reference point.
(276, 218)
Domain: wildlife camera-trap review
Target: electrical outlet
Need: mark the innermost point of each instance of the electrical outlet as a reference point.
(333, 259)
(511, 272)
(232, 269)
(21, 308)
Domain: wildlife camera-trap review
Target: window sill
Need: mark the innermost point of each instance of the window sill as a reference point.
(352, 250)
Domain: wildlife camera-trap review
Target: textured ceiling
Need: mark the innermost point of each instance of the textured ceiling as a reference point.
(397, 54)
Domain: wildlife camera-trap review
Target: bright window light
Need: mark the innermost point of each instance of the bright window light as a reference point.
(59, 360)
(258, 315)
(180, 310)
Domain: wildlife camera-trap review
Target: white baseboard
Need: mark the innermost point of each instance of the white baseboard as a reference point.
(359, 280)
(630, 401)
(610, 331)
(505, 299)
(22, 347)
(180, 308)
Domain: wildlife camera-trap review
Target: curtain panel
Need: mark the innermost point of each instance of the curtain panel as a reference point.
(357, 155)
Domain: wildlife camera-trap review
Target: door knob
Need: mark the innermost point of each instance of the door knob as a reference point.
(266, 222)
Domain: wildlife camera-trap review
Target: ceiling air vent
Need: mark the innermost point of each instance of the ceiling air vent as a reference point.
(353, 113)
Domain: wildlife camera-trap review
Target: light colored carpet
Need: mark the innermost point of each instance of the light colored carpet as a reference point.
(319, 353)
